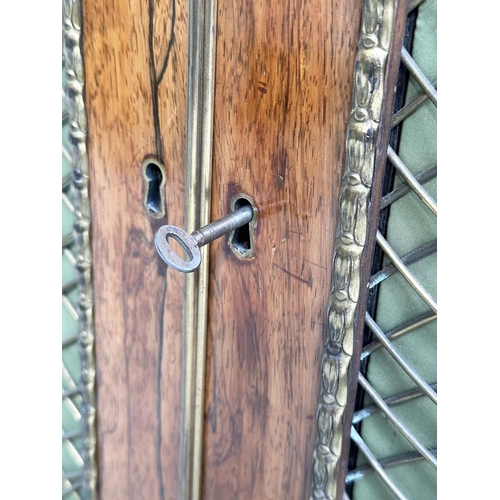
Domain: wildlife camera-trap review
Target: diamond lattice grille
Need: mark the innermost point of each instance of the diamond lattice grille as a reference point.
(72, 438)
(394, 430)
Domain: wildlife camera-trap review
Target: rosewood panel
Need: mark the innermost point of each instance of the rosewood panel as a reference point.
(283, 95)
(135, 58)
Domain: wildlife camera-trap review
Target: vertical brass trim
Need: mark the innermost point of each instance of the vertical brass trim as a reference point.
(199, 135)
(351, 238)
(72, 26)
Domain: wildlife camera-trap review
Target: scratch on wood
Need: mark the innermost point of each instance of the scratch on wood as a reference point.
(308, 282)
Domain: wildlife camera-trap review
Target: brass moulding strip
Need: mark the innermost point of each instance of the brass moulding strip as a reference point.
(72, 22)
(355, 192)
(199, 140)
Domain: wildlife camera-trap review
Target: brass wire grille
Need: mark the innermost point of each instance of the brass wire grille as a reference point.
(385, 449)
(72, 431)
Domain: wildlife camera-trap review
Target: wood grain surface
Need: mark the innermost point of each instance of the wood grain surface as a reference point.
(283, 94)
(135, 64)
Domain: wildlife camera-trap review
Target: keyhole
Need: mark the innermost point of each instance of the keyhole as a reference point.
(241, 240)
(154, 198)
(155, 178)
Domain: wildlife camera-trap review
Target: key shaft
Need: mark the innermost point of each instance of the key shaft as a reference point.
(191, 243)
(222, 226)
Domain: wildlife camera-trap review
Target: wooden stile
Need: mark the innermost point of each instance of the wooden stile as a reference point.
(283, 89)
(283, 95)
(132, 115)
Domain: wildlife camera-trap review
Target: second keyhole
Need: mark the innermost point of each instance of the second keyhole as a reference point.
(241, 241)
